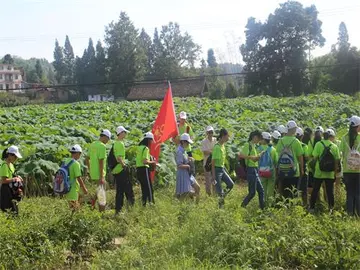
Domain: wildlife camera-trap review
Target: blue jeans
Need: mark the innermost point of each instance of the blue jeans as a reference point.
(352, 183)
(221, 175)
(254, 184)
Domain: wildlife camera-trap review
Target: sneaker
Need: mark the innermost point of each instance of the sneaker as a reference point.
(221, 202)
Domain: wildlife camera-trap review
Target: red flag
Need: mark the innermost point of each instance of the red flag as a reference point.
(165, 126)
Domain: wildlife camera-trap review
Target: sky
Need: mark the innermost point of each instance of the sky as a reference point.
(30, 27)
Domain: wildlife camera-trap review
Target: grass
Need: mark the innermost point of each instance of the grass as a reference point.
(179, 235)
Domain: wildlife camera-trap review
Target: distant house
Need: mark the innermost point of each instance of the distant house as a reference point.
(50, 94)
(10, 78)
(100, 97)
(181, 88)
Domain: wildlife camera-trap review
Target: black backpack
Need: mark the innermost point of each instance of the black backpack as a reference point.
(208, 164)
(111, 159)
(327, 159)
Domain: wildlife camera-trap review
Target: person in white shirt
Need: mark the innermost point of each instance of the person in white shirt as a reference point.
(207, 146)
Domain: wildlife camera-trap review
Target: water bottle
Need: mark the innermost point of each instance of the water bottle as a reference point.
(101, 195)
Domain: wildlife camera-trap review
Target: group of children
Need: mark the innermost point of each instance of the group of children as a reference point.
(288, 160)
(291, 161)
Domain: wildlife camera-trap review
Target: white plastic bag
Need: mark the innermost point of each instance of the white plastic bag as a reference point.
(101, 195)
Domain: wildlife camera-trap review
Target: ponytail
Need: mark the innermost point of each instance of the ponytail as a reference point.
(317, 137)
(307, 135)
(4, 154)
(326, 135)
(352, 136)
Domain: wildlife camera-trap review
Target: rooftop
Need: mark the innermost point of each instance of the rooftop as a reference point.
(156, 91)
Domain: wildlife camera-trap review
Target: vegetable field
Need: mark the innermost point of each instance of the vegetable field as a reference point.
(45, 132)
(172, 234)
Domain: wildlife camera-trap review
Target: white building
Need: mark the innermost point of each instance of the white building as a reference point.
(10, 78)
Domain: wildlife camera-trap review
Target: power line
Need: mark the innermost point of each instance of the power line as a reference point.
(158, 81)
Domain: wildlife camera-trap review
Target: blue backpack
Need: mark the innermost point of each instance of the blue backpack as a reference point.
(62, 179)
(286, 164)
(266, 166)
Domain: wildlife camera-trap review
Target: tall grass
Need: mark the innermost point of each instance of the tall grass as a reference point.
(179, 235)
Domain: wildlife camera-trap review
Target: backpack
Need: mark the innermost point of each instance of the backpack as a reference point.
(286, 164)
(111, 159)
(327, 160)
(353, 159)
(61, 183)
(208, 164)
(266, 166)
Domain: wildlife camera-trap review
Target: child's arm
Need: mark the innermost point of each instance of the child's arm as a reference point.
(82, 185)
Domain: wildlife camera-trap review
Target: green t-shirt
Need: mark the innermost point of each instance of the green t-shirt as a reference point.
(345, 150)
(97, 152)
(317, 153)
(119, 151)
(74, 173)
(6, 170)
(296, 149)
(142, 153)
(186, 129)
(249, 149)
(219, 155)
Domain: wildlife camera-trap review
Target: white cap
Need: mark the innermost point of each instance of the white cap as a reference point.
(186, 137)
(291, 125)
(209, 128)
(149, 135)
(76, 149)
(14, 150)
(121, 129)
(106, 133)
(319, 128)
(282, 129)
(354, 121)
(276, 135)
(299, 132)
(183, 115)
(331, 132)
(266, 135)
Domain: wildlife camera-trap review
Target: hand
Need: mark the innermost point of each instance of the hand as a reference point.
(337, 181)
(191, 159)
(102, 181)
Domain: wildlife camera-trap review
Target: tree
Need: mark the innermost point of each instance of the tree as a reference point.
(230, 91)
(345, 74)
(7, 59)
(147, 45)
(100, 64)
(69, 62)
(203, 64)
(39, 70)
(126, 57)
(59, 64)
(173, 52)
(275, 51)
(343, 39)
(211, 60)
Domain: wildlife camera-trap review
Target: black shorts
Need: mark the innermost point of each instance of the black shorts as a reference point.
(303, 184)
(310, 180)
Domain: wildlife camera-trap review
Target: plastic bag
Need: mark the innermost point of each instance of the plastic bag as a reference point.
(101, 195)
